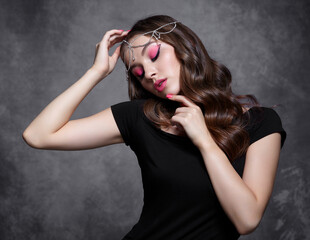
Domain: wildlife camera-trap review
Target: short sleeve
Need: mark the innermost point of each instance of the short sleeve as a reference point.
(125, 115)
(268, 122)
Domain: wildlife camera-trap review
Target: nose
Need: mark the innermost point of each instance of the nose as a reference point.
(150, 72)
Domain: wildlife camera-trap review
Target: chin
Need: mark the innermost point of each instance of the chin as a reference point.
(174, 91)
(167, 91)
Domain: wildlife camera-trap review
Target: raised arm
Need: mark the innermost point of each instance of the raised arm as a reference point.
(51, 129)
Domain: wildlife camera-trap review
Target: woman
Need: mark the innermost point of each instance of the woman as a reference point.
(208, 159)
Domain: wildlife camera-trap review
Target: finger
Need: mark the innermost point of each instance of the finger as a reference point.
(178, 120)
(182, 110)
(181, 114)
(115, 40)
(108, 34)
(178, 126)
(113, 31)
(175, 121)
(117, 36)
(181, 99)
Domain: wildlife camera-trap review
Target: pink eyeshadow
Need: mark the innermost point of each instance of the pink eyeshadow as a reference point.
(137, 71)
(153, 51)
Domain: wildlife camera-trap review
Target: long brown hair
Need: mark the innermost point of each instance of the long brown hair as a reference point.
(203, 80)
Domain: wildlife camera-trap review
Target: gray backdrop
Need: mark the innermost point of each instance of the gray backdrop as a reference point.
(97, 194)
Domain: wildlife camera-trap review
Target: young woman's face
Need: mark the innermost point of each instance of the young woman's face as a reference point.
(156, 67)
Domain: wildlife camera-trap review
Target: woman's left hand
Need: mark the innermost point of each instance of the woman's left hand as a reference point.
(192, 120)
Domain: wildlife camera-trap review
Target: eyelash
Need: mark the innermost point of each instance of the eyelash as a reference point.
(153, 60)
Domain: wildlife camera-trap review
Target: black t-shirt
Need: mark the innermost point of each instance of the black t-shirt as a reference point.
(179, 200)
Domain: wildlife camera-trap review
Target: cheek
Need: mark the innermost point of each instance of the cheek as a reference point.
(170, 62)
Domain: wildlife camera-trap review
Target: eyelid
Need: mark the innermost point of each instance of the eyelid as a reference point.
(153, 59)
(154, 55)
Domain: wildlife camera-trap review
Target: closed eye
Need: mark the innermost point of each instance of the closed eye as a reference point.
(154, 52)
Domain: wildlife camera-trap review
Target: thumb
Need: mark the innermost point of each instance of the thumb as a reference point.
(116, 54)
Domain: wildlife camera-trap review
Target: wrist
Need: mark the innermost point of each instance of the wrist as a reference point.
(97, 73)
(207, 144)
(211, 152)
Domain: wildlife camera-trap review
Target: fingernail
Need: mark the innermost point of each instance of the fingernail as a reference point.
(120, 30)
(129, 30)
(169, 95)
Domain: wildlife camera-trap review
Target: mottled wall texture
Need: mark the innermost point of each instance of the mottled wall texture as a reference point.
(97, 194)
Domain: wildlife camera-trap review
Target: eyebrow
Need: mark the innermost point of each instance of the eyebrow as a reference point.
(143, 50)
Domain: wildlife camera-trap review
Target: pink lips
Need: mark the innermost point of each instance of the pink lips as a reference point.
(160, 84)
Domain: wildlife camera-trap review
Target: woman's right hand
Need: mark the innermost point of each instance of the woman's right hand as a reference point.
(103, 62)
